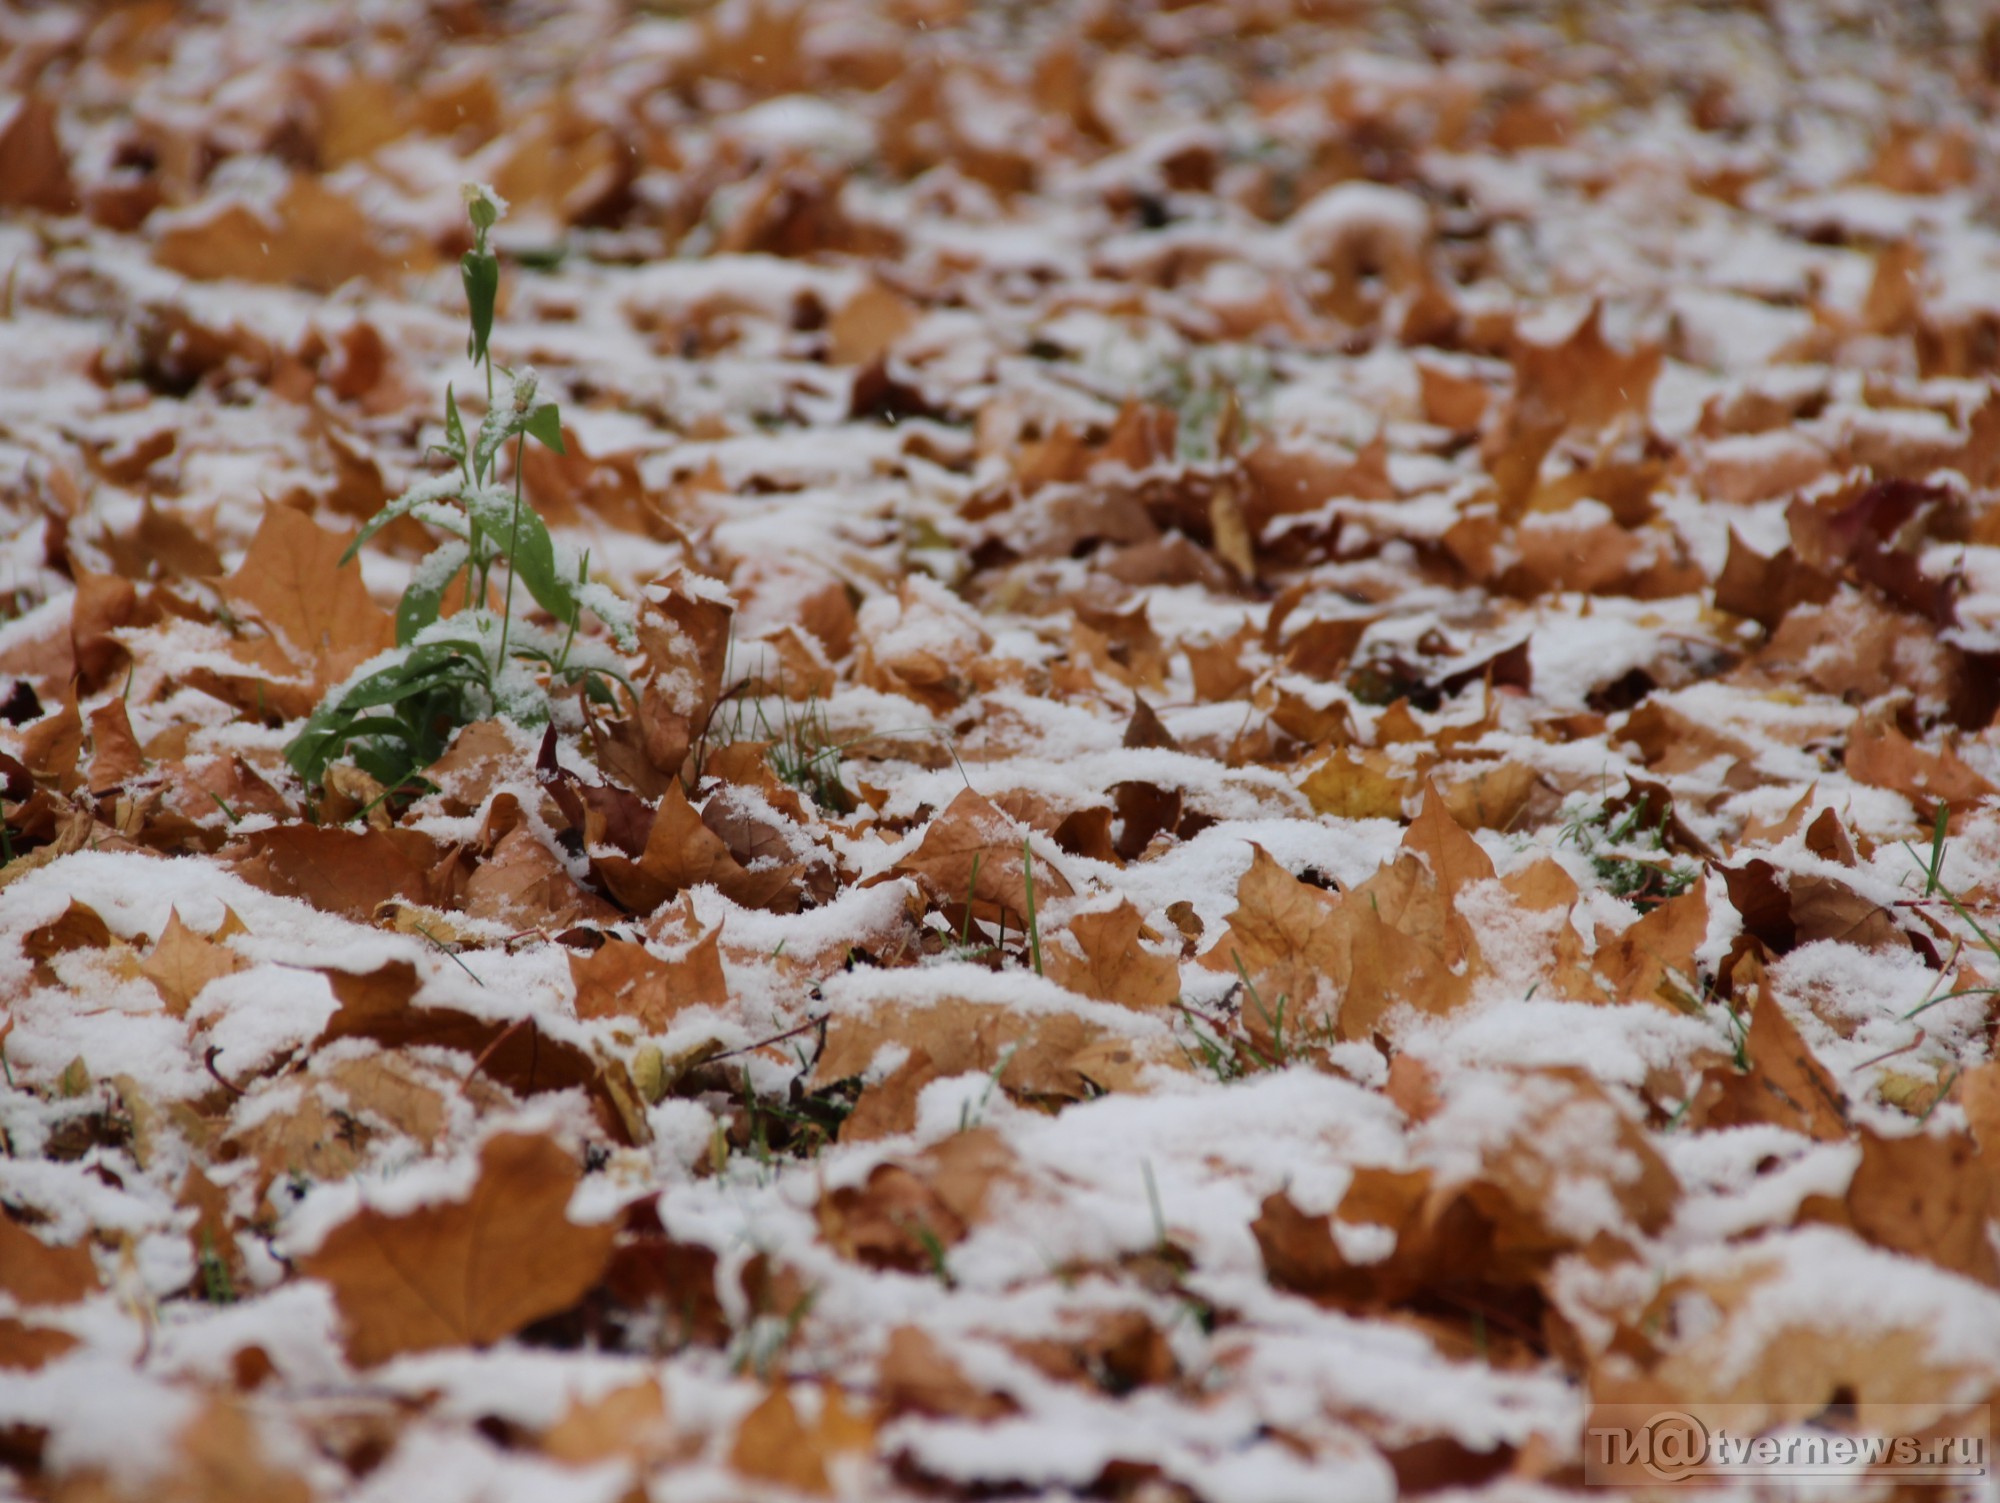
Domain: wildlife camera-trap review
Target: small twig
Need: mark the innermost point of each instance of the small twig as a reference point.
(1891, 1054)
(208, 1063)
(493, 1048)
(777, 1038)
(449, 951)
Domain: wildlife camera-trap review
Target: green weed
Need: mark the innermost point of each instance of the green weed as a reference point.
(1226, 1048)
(1934, 885)
(1625, 853)
(397, 713)
(803, 752)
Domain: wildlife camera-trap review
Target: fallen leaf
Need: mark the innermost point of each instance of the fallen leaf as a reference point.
(51, 746)
(629, 1422)
(1109, 962)
(915, 1376)
(466, 1272)
(34, 172)
(906, 1216)
(518, 1054)
(1358, 783)
(773, 1444)
(1881, 756)
(1034, 1053)
(218, 1456)
(38, 1273)
(292, 583)
(1785, 1085)
(626, 980)
(1654, 959)
(115, 758)
(868, 324)
(349, 872)
(26, 1348)
(1928, 1195)
(1454, 858)
(972, 852)
(182, 962)
(312, 236)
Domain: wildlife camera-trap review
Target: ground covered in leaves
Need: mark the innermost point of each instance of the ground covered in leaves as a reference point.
(1311, 766)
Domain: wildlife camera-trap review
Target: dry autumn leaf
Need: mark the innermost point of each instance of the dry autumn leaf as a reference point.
(973, 853)
(182, 962)
(469, 1271)
(1074, 650)
(38, 1273)
(626, 980)
(293, 584)
(775, 1444)
(1110, 962)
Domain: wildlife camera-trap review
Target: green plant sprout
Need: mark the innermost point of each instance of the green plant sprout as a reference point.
(1034, 927)
(1230, 1053)
(1934, 883)
(1624, 854)
(396, 713)
(803, 752)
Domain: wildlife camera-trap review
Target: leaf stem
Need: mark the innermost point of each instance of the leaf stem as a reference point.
(513, 542)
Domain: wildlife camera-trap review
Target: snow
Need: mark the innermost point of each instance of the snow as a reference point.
(1312, 216)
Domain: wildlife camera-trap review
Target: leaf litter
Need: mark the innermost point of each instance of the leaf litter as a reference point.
(1304, 771)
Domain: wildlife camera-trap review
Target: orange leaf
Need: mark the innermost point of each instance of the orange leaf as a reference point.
(1113, 965)
(51, 746)
(292, 582)
(626, 980)
(961, 1037)
(35, 1273)
(1278, 921)
(312, 236)
(973, 849)
(465, 1272)
(1929, 1196)
(183, 962)
(115, 758)
(1455, 859)
(916, 1377)
(25, 1348)
(1356, 783)
(1883, 757)
(1653, 960)
(774, 1444)
(34, 174)
(351, 872)
(1786, 1084)
(868, 324)
(627, 1422)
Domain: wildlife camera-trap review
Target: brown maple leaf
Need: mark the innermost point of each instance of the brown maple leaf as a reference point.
(626, 980)
(293, 584)
(1110, 964)
(182, 962)
(775, 1444)
(466, 1272)
(974, 852)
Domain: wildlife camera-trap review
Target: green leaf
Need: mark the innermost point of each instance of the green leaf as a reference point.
(480, 271)
(437, 488)
(495, 428)
(524, 539)
(423, 601)
(545, 425)
(454, 427)
(423, 669)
